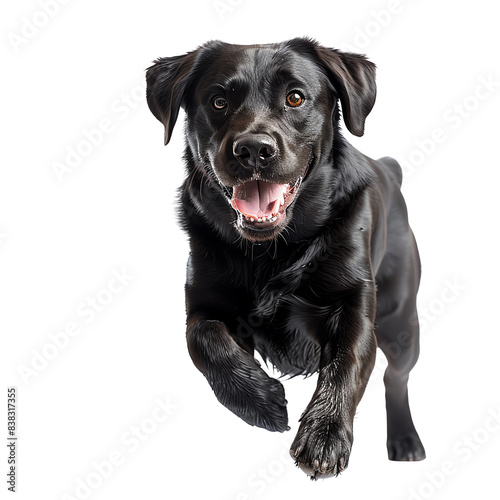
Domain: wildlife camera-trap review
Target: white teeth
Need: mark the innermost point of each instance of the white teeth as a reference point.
(269, 218)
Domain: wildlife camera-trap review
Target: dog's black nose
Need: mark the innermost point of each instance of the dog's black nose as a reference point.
(255, 150)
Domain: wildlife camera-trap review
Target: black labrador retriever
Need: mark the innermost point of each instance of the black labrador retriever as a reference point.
(300, 244)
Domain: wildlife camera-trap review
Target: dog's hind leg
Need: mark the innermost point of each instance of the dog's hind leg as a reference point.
(398, 336)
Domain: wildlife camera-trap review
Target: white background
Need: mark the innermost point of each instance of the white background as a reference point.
(61, 239)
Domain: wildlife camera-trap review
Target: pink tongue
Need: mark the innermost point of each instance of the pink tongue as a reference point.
(258, 198)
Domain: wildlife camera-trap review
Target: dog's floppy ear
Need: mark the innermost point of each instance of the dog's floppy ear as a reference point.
(353, 77)
(167, 82)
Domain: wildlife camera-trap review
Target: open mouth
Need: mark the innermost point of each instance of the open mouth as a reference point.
(261, 204)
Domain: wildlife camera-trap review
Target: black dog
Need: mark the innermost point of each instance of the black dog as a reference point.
(300, 244)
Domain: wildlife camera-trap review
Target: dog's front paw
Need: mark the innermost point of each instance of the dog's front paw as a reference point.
(261, 402)
(322, 447)
(267, 405)
(251, 394)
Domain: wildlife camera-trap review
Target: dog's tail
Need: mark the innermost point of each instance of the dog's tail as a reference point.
(394, 169)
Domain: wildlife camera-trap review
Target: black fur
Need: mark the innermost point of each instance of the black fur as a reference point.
(304, 290)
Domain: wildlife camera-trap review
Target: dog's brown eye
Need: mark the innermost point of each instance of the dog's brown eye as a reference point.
(219, 103)
(294, 99)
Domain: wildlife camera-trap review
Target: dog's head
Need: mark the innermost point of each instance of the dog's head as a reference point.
(260, 118)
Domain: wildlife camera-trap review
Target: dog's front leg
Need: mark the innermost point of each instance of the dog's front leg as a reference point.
(235, 376)
(324, 439)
